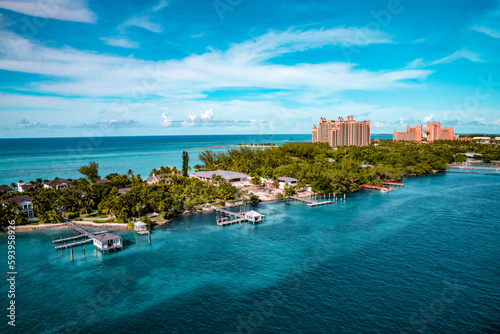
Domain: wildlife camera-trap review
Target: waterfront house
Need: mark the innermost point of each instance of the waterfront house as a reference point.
(253, 216)
(25, 202)
(80, 192)
(284, 180)
(5, 189)
(22, 187)
(107, 242)
(229, 176)
(154, 179)
(57, 184)
(140, 227)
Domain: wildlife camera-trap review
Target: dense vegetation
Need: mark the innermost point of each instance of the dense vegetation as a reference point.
(327, 170)
(343, 169)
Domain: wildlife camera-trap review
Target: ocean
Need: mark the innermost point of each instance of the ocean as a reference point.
(421, 259)
(48, 158)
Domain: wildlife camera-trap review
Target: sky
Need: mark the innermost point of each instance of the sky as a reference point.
(71, 68)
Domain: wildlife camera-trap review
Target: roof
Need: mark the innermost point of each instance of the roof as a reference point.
(5, 188)
(56, 182)
(139, 223)
(18, 199)
(287, 179)
(253, 214)
(81, 192)
(102, 181)
(228, 175)
(122, 191)
(106, 236)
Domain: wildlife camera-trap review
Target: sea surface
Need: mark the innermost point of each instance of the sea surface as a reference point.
(424, 258)
(47, 158)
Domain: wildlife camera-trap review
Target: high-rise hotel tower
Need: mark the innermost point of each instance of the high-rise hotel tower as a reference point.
(341, 132)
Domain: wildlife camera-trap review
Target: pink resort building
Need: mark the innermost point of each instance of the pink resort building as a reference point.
(342, 132)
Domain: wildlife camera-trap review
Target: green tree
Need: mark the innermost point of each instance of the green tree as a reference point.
(256, 181)
(91, 171)
(185, 163)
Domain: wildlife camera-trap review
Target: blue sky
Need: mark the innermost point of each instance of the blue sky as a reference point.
(102, 68)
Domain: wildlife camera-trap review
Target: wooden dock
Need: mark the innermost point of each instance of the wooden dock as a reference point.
(227, 215)
(76, 237)
(311, 202)
(469, 172)
(370, 187)
(74, 244)
(399, 184)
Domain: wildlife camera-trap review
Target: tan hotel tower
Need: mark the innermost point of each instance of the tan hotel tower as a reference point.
(433, 131)
(341, 132)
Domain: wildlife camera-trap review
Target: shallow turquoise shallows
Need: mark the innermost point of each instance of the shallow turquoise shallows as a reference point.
(421, 259)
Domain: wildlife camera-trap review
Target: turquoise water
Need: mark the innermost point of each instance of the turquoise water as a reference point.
(47, 158)
(421, 259)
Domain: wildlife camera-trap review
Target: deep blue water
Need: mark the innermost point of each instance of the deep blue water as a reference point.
(421, 259)
(47, 158)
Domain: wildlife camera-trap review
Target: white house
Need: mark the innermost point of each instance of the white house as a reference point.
(57, 184)
(253, 216)
(21, 186)
(140, 227)
(24, 202)
(107, 242)
(284, 180)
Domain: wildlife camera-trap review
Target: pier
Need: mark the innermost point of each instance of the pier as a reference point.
(397, 184)
(312, 202)
(469, 172)
(102, 240)
(81, 236)
(249, 216)
(370, 187)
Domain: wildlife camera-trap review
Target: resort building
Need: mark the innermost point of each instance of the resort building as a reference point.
(284, 180)
(342, 132)
(107, 242)
(22, 187)
(57, 184)
(25, 202)
(417, 133)
(229, 176)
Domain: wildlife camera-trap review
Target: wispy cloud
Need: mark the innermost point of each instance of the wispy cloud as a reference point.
(242, 65)
(488, 31)
(121, 42)
(75, 11)
(460, 54)
(160, 6)
(140, 22)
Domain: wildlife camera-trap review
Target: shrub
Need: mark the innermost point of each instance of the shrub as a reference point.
(71, 215)
(131, 225)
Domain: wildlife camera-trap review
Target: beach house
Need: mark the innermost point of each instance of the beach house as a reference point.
(57, 184)
(229, 176)
(107, 242)
(25, 202)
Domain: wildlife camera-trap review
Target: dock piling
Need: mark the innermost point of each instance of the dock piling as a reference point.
(84, 253)
(71, 254)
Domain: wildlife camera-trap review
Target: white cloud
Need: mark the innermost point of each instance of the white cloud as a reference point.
(460, 54)
(75, 11)
(120, 42)
(190, 121)
(428, 118)
(161, 5)
(242, 65)
(207, 115)
(488, 31)
(497, 122)
(166, 121)
(141, 22)
(378, 124)
(479, 120)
